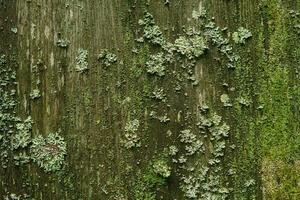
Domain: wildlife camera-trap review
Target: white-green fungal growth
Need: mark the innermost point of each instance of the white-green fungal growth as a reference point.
(107, 58)
(49, 153)
(241, 35)
(82, 60)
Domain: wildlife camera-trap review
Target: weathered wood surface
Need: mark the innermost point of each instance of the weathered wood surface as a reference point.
(92, 108)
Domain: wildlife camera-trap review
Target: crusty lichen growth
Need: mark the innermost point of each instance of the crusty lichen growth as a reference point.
(82, 60)
(49, 153)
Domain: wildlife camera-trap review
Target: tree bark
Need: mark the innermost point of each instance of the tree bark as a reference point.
(83, 71)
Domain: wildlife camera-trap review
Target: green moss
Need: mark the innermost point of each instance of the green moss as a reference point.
(279, 138)
(155, 176)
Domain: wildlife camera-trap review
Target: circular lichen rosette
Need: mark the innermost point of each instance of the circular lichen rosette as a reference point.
(49, 153)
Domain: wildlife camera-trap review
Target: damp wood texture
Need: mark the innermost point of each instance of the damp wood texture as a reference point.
(149, 99)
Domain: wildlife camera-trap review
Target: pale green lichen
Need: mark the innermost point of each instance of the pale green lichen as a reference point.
(205, 182)
(159, 94)
(35, 94)
(131, 138)
(244, 101)
(162, 118)
(161, 168)
(201, 13)
(7, 108)
(241, 35)
(49, 153)
(156, 64)
(23, 136)
(14, 30)
(173, 150)
(225, 100)
(186, 136)
(81, 60)
(107, 58)
(215, 35)
(21, 158)
(151, 31)
(192, 144)
(62, 43)
(191, 47)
